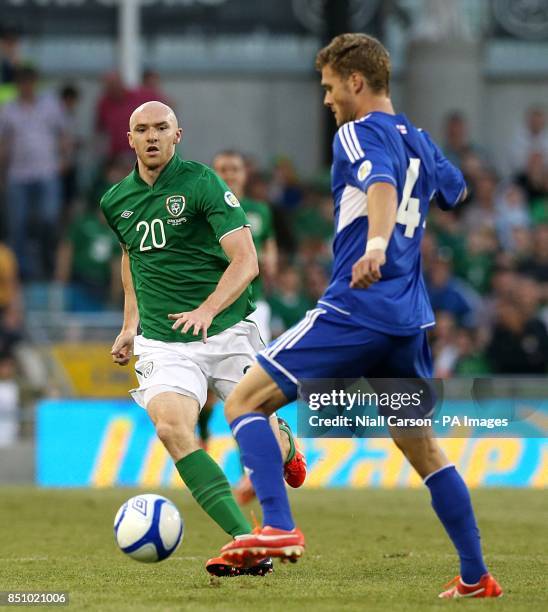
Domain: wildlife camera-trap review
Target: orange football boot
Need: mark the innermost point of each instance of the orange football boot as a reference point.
(246, 550)
(486, 587)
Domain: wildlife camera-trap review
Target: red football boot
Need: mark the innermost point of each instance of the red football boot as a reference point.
(246, 550)
(486, 587)
(295, 468)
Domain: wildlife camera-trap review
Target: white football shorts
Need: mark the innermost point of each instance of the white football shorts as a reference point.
(189, 368)
(261, 316)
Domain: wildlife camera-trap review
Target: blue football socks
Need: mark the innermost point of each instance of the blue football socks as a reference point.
(451, 501)
(263, 462)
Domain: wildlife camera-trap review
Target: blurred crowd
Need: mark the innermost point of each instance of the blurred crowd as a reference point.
(485, 264)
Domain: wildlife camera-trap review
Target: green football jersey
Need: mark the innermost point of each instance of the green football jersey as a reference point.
(259, 216)
(172, 231)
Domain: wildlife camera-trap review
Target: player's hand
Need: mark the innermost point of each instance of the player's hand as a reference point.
(367, 270)
(199, 320)
(122, 349)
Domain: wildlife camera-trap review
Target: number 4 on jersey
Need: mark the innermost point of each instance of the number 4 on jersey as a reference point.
(408, 210)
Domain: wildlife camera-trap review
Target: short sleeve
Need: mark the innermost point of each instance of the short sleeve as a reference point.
(220, 206)
(365, 156)
(104, 206)
(450, 183)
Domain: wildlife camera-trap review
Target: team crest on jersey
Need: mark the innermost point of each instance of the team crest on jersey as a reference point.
(231, 199)
(364, 170)
(175, 205)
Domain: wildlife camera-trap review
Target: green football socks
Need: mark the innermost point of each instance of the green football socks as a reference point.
(209, 487)
(285, 428)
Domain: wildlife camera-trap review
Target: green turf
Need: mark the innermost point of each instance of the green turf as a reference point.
(367, 550)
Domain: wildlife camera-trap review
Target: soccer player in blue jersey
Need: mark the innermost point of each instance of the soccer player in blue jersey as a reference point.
(373, 317)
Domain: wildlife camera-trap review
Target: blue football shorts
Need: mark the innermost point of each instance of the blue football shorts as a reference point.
(328, 345)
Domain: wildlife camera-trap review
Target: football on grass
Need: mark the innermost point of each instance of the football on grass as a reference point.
(148, 528)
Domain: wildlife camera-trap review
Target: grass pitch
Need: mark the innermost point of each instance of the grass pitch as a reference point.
(366, 550)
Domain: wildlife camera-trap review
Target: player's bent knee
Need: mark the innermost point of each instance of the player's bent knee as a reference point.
(166, 432)
(173, 436)
(235, 406)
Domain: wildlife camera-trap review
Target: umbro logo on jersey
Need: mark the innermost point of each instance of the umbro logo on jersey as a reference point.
(126, 214)
(402, 129)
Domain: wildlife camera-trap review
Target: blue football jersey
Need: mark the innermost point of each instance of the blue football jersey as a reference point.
(386, 148)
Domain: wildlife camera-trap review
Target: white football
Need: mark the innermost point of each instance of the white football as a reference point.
(148, 528)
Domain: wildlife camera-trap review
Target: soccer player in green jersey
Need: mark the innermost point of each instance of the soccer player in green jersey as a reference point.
(187, 261)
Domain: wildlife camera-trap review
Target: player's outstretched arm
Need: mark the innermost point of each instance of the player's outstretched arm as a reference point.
(243, 268)
(382, 203)
(122, 349)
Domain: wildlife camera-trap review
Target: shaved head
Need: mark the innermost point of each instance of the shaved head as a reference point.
(153, 134)
(157, 111)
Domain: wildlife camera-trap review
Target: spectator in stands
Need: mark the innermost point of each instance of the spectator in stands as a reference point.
(528, 296)
(476, 260)
(457, 144)
(88, 257)
(88, 263)
(532, 137)
(115, 105)
(10, 60)
(472, 167)
(446, 226)
(536, 265)
(519, 343)
(533, 179)
(151, 89)
(34, 145)
(511, 212)
(113, 171)
(471, 360)
(449, 294)
(444, 349)
(522, 245)
(314, 218)
(504, 279)
(481, 212)
(288, 302)
(69, 96)
(285, 188)
(316, 281)
(456, 350)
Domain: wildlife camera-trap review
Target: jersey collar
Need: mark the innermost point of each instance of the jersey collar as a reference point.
(170, 169)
